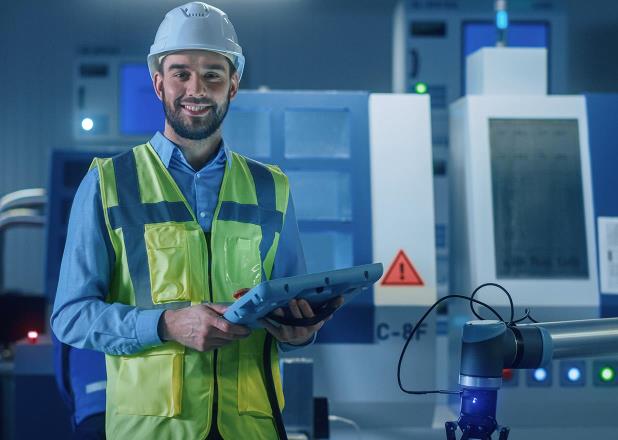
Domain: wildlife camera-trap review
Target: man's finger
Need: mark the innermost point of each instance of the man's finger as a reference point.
(305, 308)
(296, 313)
(227, 327)
(277, 332)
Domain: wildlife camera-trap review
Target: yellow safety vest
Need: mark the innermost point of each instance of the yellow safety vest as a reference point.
(163, 260)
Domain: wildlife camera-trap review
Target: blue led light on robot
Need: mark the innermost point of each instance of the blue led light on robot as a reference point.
(502, 20)
(87, 124)
(574, 374)
(540, 374)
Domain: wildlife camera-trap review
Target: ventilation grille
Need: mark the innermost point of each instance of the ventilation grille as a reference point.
(196, 10)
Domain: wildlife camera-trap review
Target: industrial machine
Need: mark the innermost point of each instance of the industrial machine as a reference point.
(522, 216)
(602, 112)
(431, 40)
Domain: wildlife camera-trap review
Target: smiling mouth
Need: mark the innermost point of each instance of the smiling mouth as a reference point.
(196, 110)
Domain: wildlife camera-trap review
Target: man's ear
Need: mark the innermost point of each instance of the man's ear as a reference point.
(235, 80)
(157, 84)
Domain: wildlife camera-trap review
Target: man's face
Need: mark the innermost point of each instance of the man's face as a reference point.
(196, 88)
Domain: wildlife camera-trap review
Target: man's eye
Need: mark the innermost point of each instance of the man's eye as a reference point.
(181, 75)
(212, 75)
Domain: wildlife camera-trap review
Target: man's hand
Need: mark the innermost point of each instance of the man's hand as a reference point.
(297, 335)
(200, 327)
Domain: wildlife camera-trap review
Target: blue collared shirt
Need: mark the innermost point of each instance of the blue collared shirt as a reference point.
(81, 317)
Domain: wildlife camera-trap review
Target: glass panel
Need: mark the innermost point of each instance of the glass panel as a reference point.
(321, 195)
(317, 133)
(248, 131)
(538, 201)
(327, 250)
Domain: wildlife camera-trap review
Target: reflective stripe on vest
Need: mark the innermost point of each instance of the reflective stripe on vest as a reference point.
(131, 215)
(166, 391)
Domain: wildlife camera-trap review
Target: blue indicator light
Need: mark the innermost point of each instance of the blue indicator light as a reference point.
(574, 374)
(502, 20)
(540, 374)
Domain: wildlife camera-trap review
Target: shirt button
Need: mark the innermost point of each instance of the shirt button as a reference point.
(203, 214)
(197, 175)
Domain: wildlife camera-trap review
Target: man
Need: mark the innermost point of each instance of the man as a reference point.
(160, 236)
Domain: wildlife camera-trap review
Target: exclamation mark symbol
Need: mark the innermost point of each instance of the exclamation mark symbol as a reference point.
(401, 276)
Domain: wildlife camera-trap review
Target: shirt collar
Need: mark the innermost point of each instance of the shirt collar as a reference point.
(165, 148)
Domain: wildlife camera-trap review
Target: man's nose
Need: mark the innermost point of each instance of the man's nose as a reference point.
(196, 86)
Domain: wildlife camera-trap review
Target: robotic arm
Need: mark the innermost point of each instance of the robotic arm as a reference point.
(490, 346)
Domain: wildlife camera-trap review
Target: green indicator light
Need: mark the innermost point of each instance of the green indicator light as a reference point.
(420, 88)
(607, 374)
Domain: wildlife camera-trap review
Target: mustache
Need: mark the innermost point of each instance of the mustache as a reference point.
(205, 101)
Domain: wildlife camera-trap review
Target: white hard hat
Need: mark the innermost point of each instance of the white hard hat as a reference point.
(196, 25)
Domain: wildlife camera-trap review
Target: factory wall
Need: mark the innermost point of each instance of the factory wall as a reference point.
(291, 44)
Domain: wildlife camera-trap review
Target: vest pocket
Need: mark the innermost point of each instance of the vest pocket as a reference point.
(252, 396)
(150, 384)
(243, 268)
(168, 262)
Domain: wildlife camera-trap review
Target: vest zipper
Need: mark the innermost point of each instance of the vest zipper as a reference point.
(215, 355)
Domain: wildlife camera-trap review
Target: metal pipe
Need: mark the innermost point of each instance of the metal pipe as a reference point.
(12, 218)
(590, 337)
(25, 198)
(20, 217)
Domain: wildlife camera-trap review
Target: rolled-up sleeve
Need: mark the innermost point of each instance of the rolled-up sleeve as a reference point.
(81, 317)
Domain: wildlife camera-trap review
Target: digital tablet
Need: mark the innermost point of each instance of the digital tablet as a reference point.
(320, 289)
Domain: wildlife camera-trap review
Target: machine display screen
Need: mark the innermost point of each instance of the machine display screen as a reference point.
(538, 205)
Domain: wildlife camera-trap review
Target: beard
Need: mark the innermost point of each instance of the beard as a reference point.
(195, 128)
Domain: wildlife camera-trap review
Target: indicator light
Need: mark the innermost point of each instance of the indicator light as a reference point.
(33, 336)
(540, 374)
(87, 124)
(507, 374)
(420, 88)
(574, 374)
(502, 20)
(607, 374)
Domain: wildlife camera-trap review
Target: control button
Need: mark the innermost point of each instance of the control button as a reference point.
(540, 377)
(573, 373)
(606, 373)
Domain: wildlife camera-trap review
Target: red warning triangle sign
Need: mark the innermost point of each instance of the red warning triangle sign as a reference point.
(402, 273)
